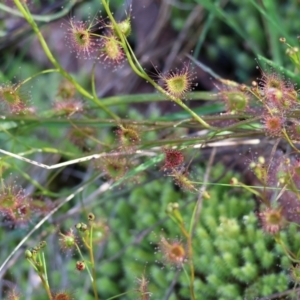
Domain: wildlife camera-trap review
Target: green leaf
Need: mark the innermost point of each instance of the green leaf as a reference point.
(7, 125)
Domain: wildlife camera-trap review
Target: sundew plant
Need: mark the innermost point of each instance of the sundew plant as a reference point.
(171, 190)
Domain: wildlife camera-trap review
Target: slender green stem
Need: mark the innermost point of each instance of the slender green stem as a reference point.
(155, 97)
(117, 296)
(180, 103)
(35, 183)
(140, 72)
(46, 286)
(123, 42)
(191, 284)
(186, 273)
(93, 81)
(42, 18)
(93, 263)
(82, 258)
(32, 264)
(178, 219)
(45, 268)
(286, 250)
(289, 141)
(189, 123)
(37, 74)
(191, 263)
(41, 270)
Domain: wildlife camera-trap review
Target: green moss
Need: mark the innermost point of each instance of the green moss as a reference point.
(233, 257)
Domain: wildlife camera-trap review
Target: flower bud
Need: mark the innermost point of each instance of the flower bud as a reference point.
(282, 40)
(78, 226)
(80, 265)
(171, 207)
(28, 254)
(125, 27)
(91, 217)
(42, 244)
(81, 227)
